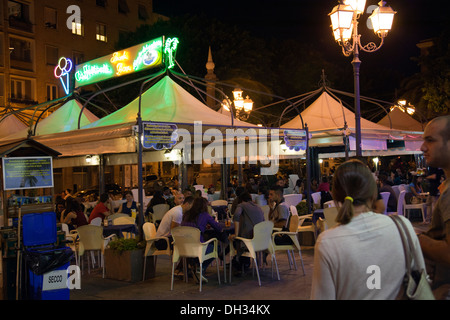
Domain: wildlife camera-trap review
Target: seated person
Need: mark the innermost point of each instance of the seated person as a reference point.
(102, 209)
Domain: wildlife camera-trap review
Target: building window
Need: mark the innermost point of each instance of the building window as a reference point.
(22, 90)
(78, 58)
(52, 92)
(142, 12)
(51, 55)
(19, 16)
(101, 3)
(21, 49)
(101, 32)
(50, 18)
(77, 28)
(123, 6)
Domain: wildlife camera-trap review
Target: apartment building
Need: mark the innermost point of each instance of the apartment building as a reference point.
(34, 34)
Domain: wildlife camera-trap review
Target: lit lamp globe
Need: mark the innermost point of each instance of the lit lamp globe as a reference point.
(248, 104)
(357, 5)
(341, 22)
(381, 19)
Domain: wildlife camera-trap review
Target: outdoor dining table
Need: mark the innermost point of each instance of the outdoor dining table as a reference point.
(119, 229)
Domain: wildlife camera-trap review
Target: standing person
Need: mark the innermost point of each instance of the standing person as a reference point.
(363, 239)
(73, 216)
(198, 217)
(435, 242)
(102, 209)
(279, 212)
(128, 205)
(247, 214)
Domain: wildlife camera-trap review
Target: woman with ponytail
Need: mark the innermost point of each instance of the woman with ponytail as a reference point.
(362, 257)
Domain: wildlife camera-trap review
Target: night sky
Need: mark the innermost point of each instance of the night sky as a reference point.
(308, 20)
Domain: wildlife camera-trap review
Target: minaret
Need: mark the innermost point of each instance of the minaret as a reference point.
(210, 76)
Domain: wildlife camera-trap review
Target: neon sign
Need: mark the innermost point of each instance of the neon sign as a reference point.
(62, 72)
(133, 59)
(170, 49)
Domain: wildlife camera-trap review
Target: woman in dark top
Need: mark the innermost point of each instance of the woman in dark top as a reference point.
(73, 216)
(129, 205)
(157, 199)
(198, 217)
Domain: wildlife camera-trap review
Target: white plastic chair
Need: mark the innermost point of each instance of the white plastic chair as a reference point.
(96, 221)
(292, 199)
(149, 230)
(396, 190)
(266, 209)
(262, 240)
(186, 244)
(217, 203)
(294, 211)
(71, 237)
(261, 200)
(329, 220)
(406, 207)
(328, 204)
(292, 233)
(385, 196)
(91, 239)
(308, 228)
(159, 211)
(316, 196)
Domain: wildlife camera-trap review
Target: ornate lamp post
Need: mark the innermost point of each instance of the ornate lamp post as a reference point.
(344, 20)
(242, 106)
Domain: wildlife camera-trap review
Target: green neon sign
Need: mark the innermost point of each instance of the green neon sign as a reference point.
(133, 59)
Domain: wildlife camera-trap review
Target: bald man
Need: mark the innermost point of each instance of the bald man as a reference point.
(435, 242)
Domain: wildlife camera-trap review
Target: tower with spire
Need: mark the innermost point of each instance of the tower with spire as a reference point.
(210, 78)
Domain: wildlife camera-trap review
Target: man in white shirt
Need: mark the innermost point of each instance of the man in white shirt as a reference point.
(174, 216)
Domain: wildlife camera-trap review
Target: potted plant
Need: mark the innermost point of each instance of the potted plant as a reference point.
(124, 260)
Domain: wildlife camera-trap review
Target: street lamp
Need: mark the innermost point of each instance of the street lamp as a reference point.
(242, 106)
(344, 19)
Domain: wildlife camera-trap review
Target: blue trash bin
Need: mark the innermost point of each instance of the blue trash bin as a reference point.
(46, 263)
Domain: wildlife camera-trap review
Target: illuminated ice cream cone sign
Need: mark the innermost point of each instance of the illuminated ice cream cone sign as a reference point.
(62, 71)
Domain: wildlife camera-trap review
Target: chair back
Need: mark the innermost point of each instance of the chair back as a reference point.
(91, 237)
(186, 242)
(217, 203)
(124, 220)
(293, 223)
(293, 180)
(159, 211)
(292, 199)
(96, 221)
(262, 236)
(396, 190)
(293, 210)
(401, 202)
(316, 196)
(385, 196)
(330, 215)
(149, 230)
(402, 187)
(261, 200)
(266, 209)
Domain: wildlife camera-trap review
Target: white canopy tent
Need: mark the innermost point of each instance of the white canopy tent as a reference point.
(326, 118)
(10, 124)
(64, 119)
(401, 120)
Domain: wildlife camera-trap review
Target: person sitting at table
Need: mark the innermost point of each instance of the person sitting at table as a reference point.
(415, 188)
(129, 205)
(279, 212)
(102, 209)
(172, 219)
(73, 216)
(198, 217)
(247, 214)
(157, 199)
(384, 186)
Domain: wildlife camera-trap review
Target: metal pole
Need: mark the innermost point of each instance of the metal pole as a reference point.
(308, 171)
(356, 66)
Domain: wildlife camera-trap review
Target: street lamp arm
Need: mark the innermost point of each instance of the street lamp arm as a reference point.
(371, 46)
